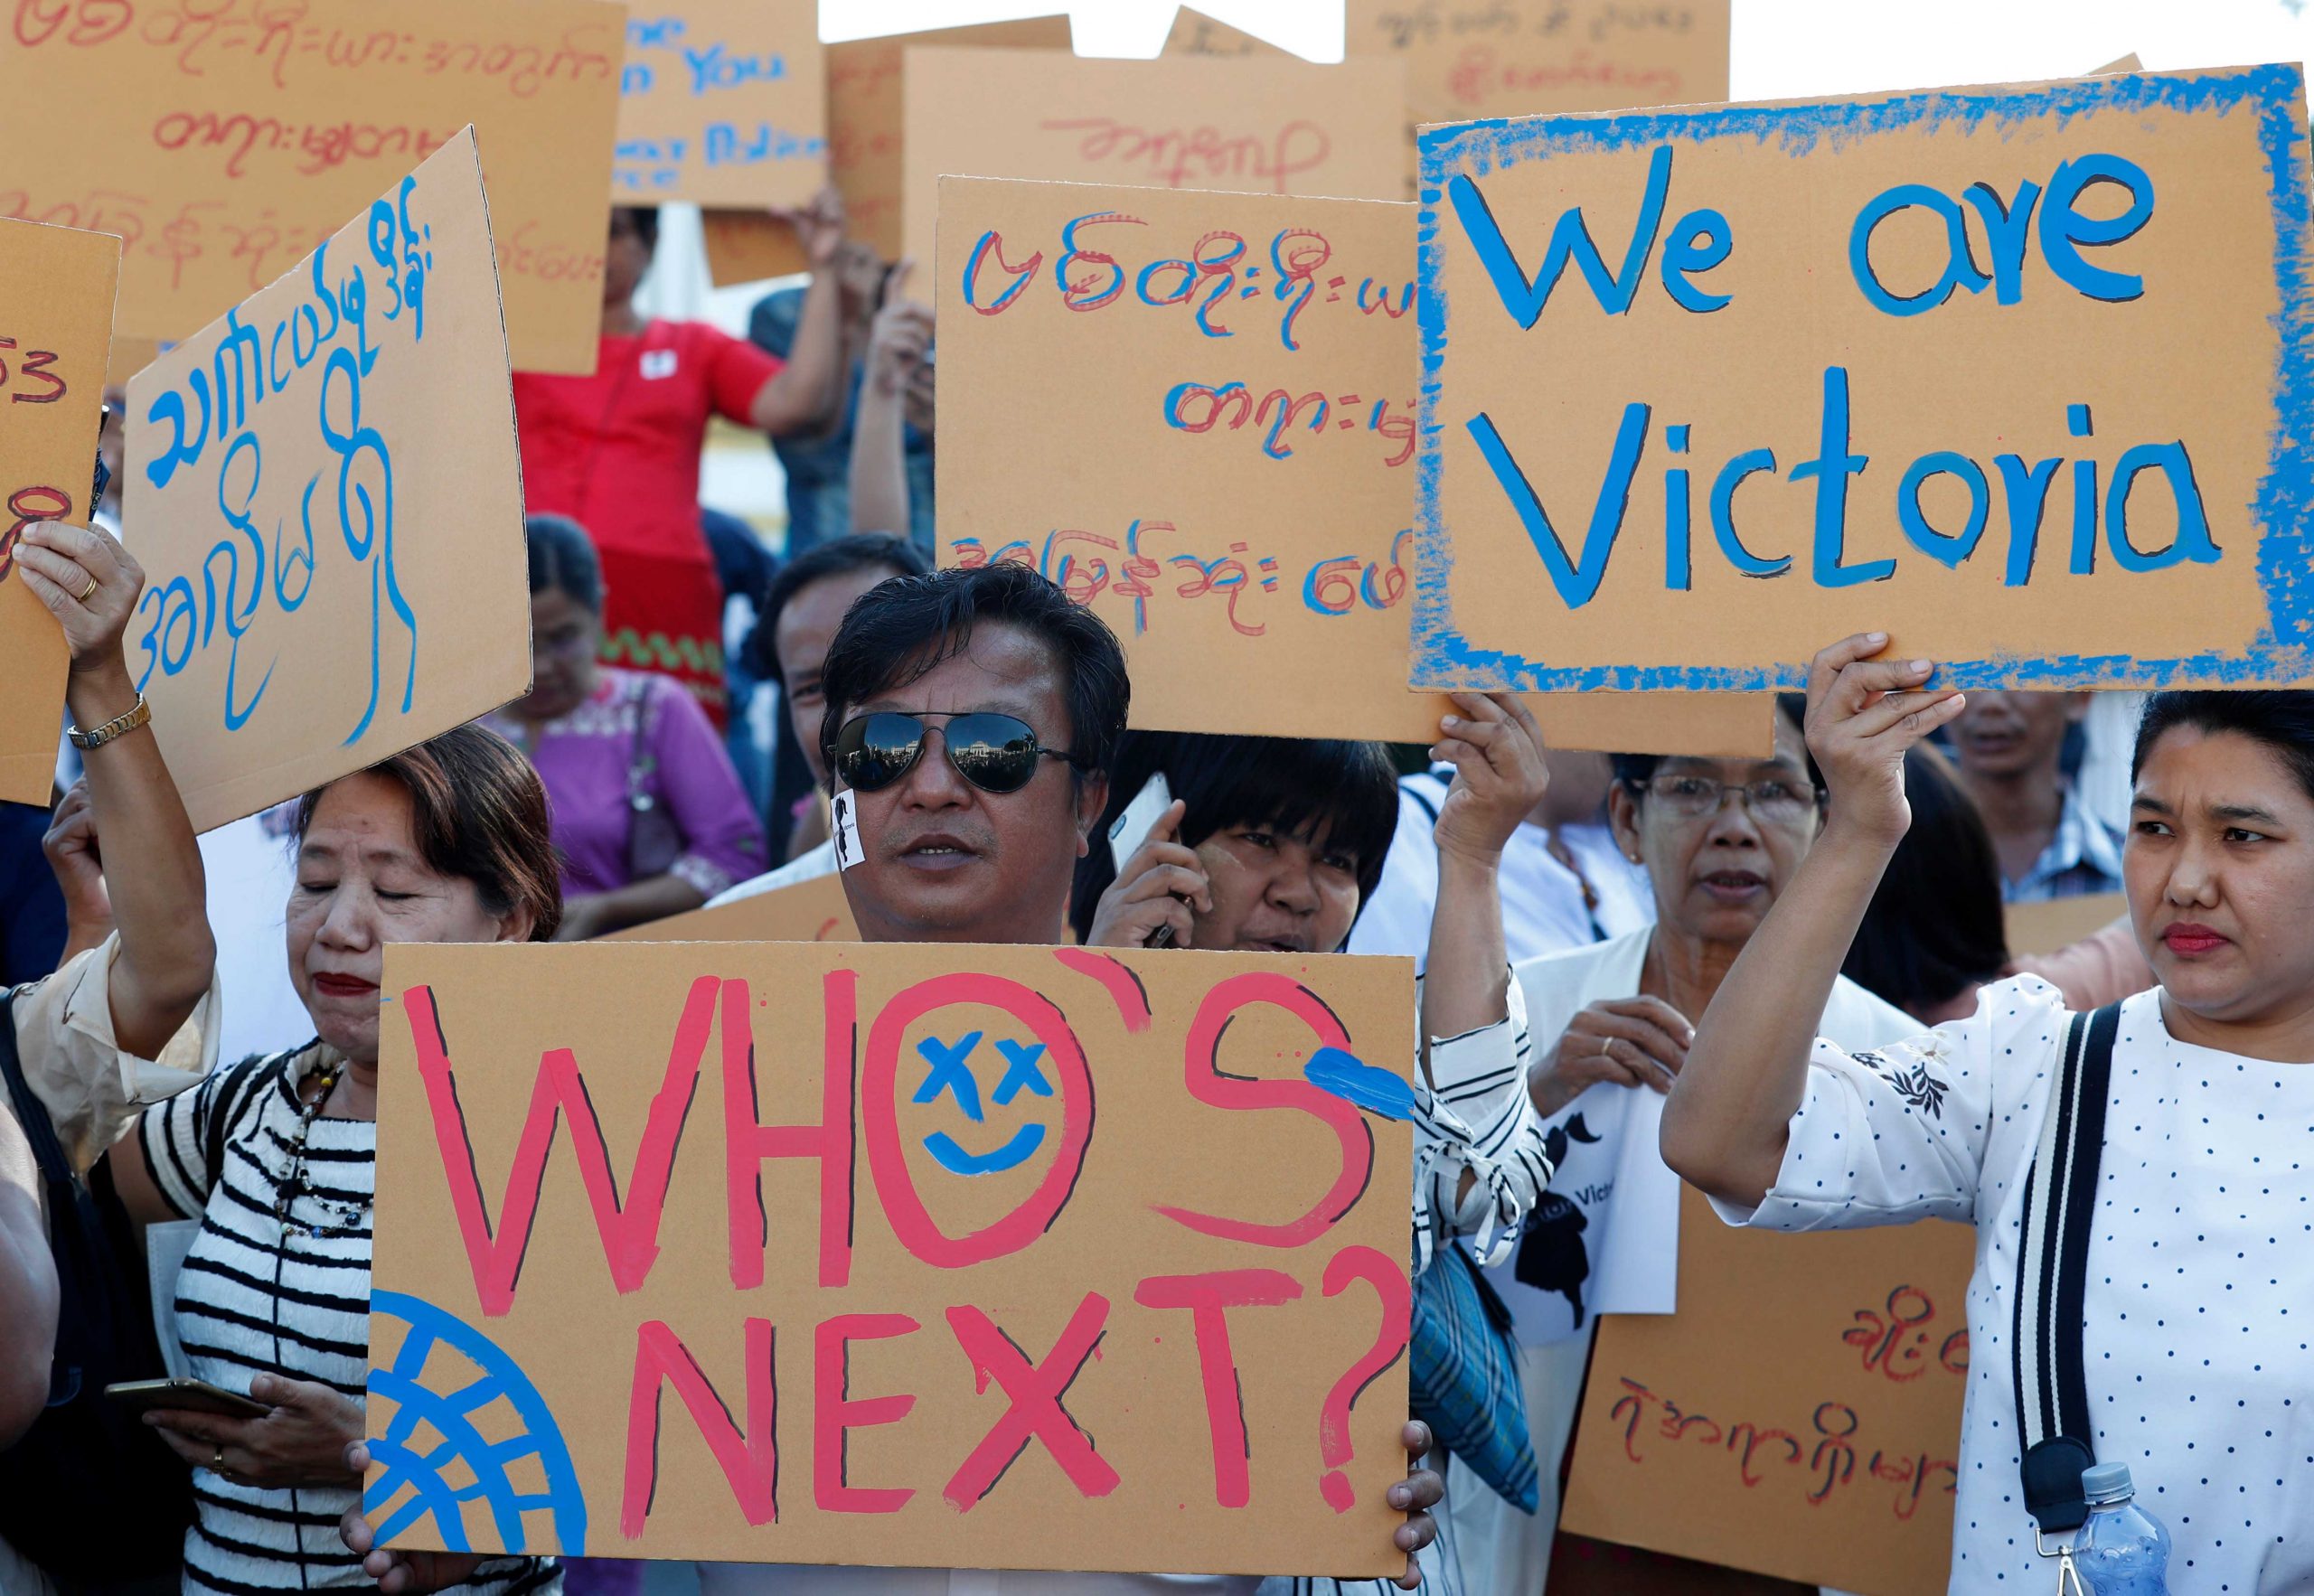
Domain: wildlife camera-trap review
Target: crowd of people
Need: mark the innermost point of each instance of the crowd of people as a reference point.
(1723, 972)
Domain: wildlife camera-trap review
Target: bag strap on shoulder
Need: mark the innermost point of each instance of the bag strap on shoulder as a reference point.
(2053, 1275)
(55, 1169)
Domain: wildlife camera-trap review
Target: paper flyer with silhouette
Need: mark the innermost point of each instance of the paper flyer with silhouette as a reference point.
(917, 1255)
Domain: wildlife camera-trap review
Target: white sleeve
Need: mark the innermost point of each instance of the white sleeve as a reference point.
(1475, 1117)
(1898, 1134)
(1396, 918)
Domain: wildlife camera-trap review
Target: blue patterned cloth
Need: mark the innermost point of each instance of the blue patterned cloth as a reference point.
(1463, 1376)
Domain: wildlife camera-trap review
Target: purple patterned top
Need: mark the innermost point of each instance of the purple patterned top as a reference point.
(584, 759)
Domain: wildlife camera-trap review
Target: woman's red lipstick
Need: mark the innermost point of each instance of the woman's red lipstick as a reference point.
(2188, 938)
(344, 986)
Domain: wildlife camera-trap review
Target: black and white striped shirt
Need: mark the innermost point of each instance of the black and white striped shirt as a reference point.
(288, 1296)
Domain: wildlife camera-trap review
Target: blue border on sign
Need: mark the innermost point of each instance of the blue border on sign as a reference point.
(1444, 658)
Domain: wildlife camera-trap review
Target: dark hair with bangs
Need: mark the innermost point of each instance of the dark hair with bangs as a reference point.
(1934, 927)
(478, 812)
(854, 551)
(1636, 770)
(1297, 785)
(899, 630)
(563, 560)
(2282, 720)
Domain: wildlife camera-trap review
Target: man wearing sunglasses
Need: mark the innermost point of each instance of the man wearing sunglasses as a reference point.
(972, 719)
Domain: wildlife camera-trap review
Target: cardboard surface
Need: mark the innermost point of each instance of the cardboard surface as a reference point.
(234, 136)
(1802, 1408)
(56, 302)
(721, 102)
(1470, 58)
(809, 911)
(1224, 474)
(1251, 125)
(324, 489)
(1973, 426)
(864, 91)
(2045, 927)
(1195, 33)
(832, 1342)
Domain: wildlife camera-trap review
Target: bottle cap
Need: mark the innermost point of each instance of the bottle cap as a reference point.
(2106, 1482)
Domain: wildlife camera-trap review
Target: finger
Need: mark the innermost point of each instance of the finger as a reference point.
(1516, 707)
(1417, 1531)
(1168, 824)
(1912, 717)
(1418, 1442)
(896, 280)
(191, 1451)
(1480, 707)
(353, 1529)
(1150, 856)
(182, 1422)
(1626, 1063)
(357, 1457)
(1666, 1046)
(1425, 1488)
(1170, 884)
(90, 548)
(1859, 683)
(1653, 1009)
(1891, 708)
(69, 577)
(1830, 661)
(1175, 914)
(1478, 734)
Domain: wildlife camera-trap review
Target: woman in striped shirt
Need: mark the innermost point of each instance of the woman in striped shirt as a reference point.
(277, 1157)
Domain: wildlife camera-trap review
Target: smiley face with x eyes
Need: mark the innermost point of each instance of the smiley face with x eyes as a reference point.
(949, 1070)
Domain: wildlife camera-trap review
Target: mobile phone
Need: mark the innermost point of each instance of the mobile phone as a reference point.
(198, 1397)
(1131, 828)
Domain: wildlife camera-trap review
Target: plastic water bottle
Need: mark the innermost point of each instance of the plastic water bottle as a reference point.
(2122, 1550)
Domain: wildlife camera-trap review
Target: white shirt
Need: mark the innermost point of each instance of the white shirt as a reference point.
(1607, 1235)
(1543, 906)
(251, 866)
(2198, 1321)
(804, 867)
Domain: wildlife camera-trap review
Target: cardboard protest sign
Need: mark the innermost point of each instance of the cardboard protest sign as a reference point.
(1472, 59)
(721, 102)
(905, 1323)
(1195, 33)
(56, 289)
(2057, 923)
(324, 489)
(1802, 1408)
(1273, 125)
(1207, 436)
(809, 911)
(240, 136)
(863, 112)
(2016, 374)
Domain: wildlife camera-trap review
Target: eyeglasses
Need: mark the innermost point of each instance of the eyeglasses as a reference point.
(1773, 800)
(995, 753)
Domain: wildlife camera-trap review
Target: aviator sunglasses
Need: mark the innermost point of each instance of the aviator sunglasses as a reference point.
(995, 753)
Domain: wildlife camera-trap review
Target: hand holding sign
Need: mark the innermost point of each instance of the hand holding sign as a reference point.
(1497, 752)
(88, 582)
(1863, 714)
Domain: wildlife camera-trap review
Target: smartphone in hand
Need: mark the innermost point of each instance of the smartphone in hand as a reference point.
(197, 1396)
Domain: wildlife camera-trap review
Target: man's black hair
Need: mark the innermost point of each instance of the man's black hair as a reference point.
(1934, 928)
(856, 552)
(898, 631)
(1297, 785)
(2281, 720)
(1634, 771)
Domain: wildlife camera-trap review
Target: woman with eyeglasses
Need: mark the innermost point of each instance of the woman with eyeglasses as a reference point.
(649, 817)
(277, 1157)
(1718, 839)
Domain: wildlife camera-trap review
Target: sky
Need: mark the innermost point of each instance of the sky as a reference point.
(1783, 49)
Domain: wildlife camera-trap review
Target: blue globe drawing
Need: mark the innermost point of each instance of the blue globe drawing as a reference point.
(434, 1459)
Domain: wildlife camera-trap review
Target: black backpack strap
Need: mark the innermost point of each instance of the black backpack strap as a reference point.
(2053, 1415)
(55, 1169)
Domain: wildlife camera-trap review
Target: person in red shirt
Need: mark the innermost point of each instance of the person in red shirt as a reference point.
(618, 451)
